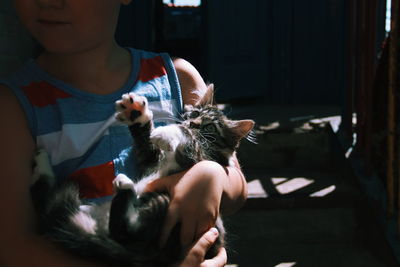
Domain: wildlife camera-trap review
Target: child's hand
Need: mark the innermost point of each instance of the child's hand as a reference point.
(195, 255)
(195, 199)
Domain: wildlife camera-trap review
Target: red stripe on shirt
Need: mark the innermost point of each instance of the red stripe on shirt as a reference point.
(95, 182)
(41, 93)
(151, 68)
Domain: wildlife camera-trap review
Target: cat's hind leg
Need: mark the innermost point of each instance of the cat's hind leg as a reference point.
(134, 217)
(42, 167)
(122, 182)
(43, 181)
(54, 202)
(122, 208)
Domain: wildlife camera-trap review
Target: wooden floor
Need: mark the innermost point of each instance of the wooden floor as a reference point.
(305, 206)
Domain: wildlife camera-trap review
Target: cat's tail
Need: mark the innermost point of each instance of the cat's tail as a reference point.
(98, 247)
(63, 222)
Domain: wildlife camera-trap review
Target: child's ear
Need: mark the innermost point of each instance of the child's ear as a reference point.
(207, 98)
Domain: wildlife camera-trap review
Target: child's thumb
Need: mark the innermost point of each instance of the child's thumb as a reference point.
(205, 242)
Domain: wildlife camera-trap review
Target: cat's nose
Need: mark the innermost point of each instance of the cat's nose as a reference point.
(194, 125)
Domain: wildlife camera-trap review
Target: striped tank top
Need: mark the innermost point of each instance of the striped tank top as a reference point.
(78, 130)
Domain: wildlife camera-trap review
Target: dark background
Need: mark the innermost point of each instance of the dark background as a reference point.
(269, 51)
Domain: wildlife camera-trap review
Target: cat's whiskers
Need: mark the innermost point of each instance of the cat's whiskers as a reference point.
(177, 112)
(251, 137)
(208, 137)
(203, 141)
(180, 118)
(168, 118)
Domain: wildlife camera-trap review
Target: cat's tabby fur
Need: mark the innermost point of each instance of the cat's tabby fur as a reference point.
(125, 231)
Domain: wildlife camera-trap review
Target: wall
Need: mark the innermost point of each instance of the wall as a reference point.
(270, 51)
(136, 25)
(277, 51)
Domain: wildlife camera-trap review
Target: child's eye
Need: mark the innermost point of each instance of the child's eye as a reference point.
(194, 114)
(209, 128)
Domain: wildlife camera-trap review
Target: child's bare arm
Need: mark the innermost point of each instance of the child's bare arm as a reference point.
(235, 193)
(21, 245)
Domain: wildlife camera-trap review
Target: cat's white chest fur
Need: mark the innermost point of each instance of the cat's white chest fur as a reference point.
(167, 138)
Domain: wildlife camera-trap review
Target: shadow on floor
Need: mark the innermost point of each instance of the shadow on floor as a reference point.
(305, 206)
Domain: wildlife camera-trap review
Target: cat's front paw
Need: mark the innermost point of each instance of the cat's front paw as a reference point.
(122, 182)
(133, 109)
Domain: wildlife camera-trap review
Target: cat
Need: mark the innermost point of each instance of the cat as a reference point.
(125, 230)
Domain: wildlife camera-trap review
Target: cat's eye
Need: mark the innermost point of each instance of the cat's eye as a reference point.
(209, 128)
(194, 114)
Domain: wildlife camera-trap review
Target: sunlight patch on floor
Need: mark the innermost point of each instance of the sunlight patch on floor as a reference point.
(256, 190)
(270, 126)
(286, 264)
(324, 192)
(283, 264)
(285, 186)
(334, 121)
(278, 180)
(350, 149)
(293, 184)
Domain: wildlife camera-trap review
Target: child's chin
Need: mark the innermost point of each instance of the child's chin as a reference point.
(54, 46)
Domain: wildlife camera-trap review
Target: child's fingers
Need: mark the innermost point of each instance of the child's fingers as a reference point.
(193, 228)
(195, 255)
(188, 233)
(200, 248)
(218, 261)
(169, 223)
(162, 185)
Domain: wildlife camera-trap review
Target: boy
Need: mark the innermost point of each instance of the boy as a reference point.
(81, 63)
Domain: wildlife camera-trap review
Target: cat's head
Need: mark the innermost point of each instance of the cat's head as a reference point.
(211, 126)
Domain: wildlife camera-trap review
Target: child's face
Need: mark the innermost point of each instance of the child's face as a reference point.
(69, 26)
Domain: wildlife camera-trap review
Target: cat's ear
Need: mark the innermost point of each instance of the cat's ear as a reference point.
(206, 97)
(241, 128)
